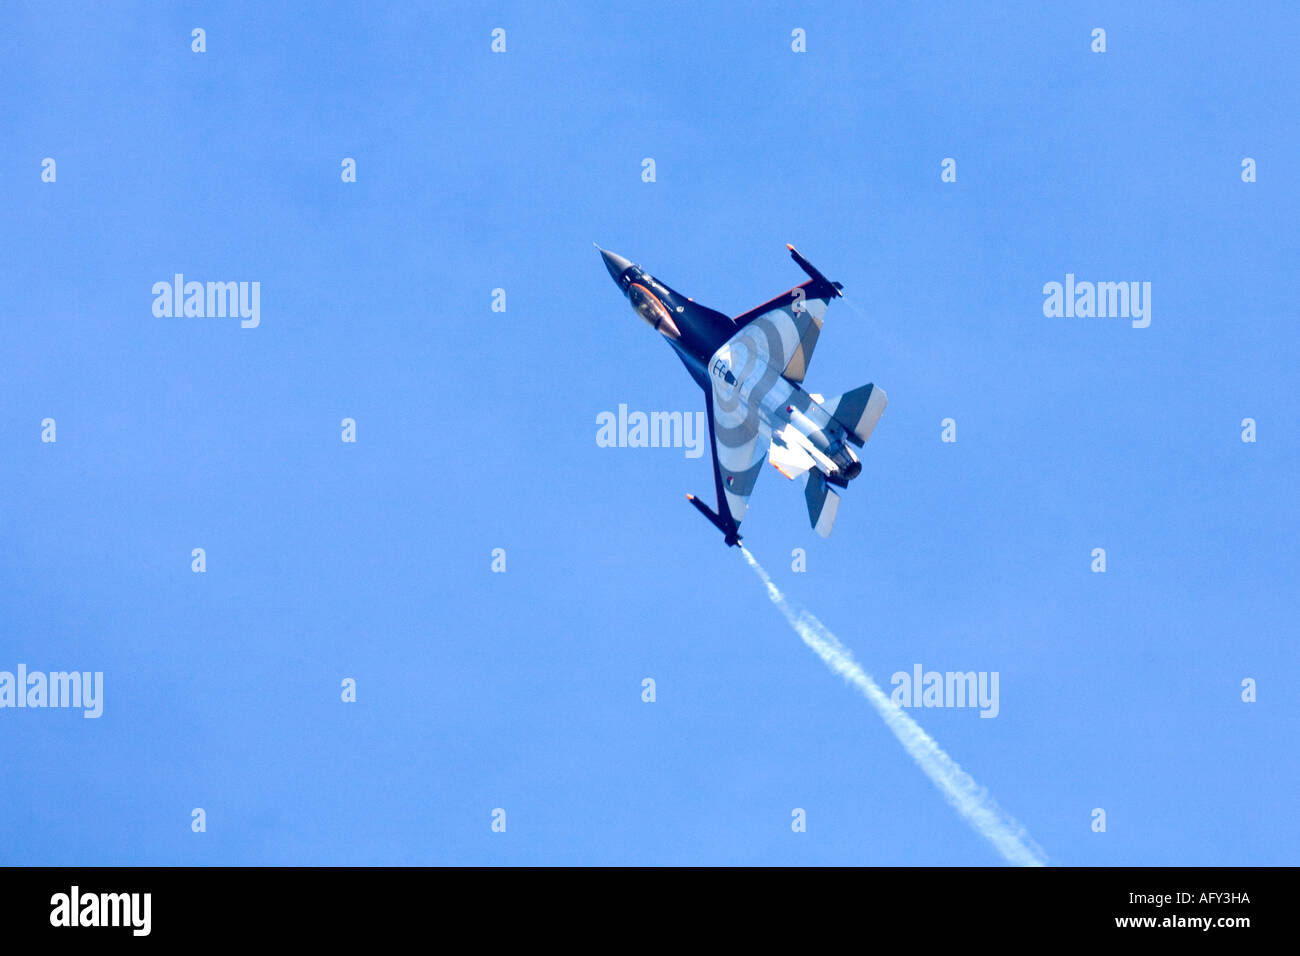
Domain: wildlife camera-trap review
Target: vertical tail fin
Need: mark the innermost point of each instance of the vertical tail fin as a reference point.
(822, 503)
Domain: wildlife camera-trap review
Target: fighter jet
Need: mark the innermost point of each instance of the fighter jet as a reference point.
(751, 369)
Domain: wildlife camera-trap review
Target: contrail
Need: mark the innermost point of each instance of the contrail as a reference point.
(970, 800)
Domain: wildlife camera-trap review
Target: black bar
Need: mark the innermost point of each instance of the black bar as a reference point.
(977, 906)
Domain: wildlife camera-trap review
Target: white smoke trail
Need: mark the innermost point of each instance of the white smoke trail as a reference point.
(969, 799)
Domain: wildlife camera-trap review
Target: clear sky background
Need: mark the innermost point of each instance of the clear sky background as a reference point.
(476, 430)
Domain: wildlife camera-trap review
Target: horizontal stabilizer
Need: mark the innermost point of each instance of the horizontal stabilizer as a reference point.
(858, 411)
(823, 503)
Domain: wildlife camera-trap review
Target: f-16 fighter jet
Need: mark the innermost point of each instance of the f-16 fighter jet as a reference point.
(751, 369)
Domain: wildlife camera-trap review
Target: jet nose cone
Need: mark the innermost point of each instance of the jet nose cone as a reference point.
(615, 263)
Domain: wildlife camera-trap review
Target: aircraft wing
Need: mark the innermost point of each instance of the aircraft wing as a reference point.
(792, 321)
(740, 443)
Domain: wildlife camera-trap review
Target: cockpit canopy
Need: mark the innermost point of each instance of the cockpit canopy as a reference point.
(652, 310)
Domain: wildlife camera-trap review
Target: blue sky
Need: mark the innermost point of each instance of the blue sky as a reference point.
(476, 430)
